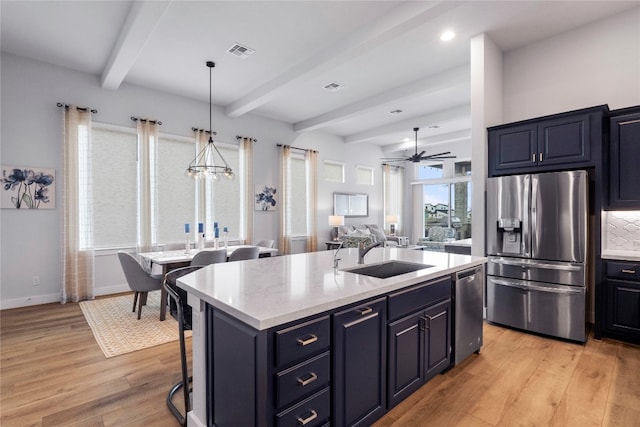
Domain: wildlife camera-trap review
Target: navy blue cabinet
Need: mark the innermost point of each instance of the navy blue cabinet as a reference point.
(359, 362)
(623, 300)
(624, 155)
(419, 336)
(344, 367)
(563, 141)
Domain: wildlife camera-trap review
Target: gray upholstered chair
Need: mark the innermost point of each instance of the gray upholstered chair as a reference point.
(139, 280)
(249, 252)
(267, 243)
(209, 257)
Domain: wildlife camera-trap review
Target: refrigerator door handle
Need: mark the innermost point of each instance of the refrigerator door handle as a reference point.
(526, 223)
(561, 267)
(532, 287)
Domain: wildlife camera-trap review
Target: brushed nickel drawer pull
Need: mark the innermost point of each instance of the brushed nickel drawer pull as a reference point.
(364, 311)
(534, 157)
(310, 340)
(305, 421)
(629, 271)
(312, 378)
(540, 157)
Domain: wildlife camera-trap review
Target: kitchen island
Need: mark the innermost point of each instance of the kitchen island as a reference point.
(261, 325)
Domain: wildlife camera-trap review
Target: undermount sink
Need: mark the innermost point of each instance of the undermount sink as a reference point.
(387, 269)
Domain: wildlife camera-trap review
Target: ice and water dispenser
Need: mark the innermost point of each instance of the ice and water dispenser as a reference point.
(510, 234)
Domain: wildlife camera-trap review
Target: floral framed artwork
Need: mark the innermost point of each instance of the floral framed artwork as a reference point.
(265, 199)
(28, 188)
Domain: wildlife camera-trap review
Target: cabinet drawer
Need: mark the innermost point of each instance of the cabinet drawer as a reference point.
(311, 412)
(407, 301)
(302, 380)
(623, 270)
(303, 340)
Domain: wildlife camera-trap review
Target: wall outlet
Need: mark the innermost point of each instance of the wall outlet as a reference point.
(36, 280)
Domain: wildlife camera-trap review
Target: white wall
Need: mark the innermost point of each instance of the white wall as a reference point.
(31, 135)
(593, 65)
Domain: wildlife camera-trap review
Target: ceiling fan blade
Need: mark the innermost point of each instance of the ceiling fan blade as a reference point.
(434, 157)
(421, 153)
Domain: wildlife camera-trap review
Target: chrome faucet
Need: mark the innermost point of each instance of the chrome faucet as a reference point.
(362, 250)
(335, 260)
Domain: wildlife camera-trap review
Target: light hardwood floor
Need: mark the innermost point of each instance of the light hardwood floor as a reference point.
(53, 373)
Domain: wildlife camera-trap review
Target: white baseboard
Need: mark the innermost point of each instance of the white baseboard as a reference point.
(47, 299)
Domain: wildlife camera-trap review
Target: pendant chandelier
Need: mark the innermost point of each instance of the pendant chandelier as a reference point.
(204, 165)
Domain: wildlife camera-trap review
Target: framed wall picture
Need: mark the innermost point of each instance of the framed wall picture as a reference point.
(265, 198)
(25, 187)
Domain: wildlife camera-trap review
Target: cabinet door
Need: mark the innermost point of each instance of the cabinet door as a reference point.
(564, 140)
(512, 148)
(406, 357)
(624, 191)
(623, 306)
(359, 364)
(437, 326)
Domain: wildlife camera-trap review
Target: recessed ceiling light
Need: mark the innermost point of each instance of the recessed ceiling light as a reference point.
(240, 51)
(395, 112)
(447, 35)
(333, 87)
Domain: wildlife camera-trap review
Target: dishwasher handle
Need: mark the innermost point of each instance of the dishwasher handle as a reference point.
(469, 275)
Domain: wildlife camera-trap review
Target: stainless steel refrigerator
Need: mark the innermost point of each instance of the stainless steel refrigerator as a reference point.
(537, 236)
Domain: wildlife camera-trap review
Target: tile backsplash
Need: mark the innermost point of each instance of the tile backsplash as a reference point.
(621, 230)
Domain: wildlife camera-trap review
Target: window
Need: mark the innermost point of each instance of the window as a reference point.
(223, 197)
(175, 193)
(114, 180)
(174, 200)
(446, 197)
(393, 177)
(333, 171)
(364, 175)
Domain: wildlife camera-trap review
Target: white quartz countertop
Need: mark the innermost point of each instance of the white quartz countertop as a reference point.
(271, 291)
(621, 255)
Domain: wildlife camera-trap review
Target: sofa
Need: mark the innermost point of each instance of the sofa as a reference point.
(436, 238)
(353, 235)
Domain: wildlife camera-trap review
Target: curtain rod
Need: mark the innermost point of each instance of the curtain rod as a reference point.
(241, 137)
(297, 148)
(135, 119)
(195, 129)
(94, 111)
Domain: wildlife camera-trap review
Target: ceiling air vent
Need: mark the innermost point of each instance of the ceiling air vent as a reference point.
(333, 87)
(240, 51)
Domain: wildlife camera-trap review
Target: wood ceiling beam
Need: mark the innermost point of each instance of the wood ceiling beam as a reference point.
(456, 113)
(432, 84)
(398, 21)
(141, 21)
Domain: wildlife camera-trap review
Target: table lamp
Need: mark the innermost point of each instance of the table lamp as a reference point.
(336, 221)
(392, 220)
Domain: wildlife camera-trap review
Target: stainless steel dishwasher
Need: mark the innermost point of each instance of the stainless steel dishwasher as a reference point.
(469, 286)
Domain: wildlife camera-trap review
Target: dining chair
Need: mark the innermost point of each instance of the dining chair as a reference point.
(209, 257)
(267, 243)
(249, 252)
(181, 311)
(139, 280)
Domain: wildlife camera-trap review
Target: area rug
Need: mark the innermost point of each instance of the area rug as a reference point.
(117, 329)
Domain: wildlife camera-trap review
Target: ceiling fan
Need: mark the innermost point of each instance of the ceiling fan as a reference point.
(418, 157)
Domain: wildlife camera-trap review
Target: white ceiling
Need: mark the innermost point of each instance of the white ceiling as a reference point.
(387, 54)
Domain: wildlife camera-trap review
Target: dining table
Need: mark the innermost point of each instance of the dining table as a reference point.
(173, 259)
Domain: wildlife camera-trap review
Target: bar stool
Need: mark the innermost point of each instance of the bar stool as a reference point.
(182, 313)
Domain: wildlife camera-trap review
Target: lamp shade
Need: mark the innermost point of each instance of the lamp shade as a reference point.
(392, 219)
(336, 220)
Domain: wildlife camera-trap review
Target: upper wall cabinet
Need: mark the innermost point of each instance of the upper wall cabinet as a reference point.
(562, 141)
(624, 159)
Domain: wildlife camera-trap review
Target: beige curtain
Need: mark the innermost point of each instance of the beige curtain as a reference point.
(246, 148)
(311, 160)
(401, 185)
(147, 167)
(78, 259)
(284, 213)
